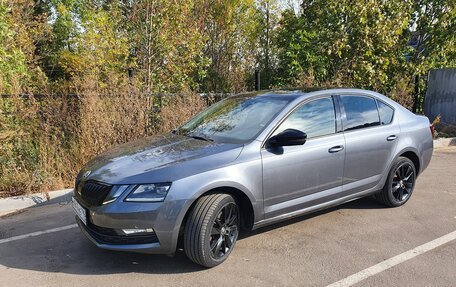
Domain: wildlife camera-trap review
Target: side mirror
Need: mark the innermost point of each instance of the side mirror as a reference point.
(288, 137)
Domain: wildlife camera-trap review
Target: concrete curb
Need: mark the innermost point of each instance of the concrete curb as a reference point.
(17, 203)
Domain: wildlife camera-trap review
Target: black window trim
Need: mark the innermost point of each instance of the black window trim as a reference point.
(337, 114)
(344, 114)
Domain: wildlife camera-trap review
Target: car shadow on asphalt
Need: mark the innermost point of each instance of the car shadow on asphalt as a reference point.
(70, 252)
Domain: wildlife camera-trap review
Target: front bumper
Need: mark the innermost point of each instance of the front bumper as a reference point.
(117, 242)
(103, 221)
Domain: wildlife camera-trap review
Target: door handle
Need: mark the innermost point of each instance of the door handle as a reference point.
(336, 148)
(391, 138)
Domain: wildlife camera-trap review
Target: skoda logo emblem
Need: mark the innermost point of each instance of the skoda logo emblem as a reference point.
(86, 174)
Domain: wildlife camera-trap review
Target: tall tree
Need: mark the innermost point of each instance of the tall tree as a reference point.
(23, 27)
(99, 47)
(64, 18)
(13, 68)
(432, 25)
(227, 24)
(166, 41)
(267, 18)
(363, 40)
(301, 59)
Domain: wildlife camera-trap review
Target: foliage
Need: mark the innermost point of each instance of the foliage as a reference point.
(98, 47)
(226, 26)
(353, 43)
(167, 43)
(365, 44)
(214, 45)
(12, 61)
(299, 51)
(436, 44)
(261, 36)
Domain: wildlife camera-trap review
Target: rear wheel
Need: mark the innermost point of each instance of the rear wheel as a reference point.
(212, 229)
(400, 183)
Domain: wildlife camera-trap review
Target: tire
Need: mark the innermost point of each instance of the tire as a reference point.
(400, 184)
(212, 229)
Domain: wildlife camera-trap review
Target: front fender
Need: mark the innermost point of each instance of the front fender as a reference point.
(245, 177)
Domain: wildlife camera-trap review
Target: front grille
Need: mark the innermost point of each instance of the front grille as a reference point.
(93, 193)
(104, 235)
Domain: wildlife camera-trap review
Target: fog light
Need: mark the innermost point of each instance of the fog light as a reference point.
(137, 231)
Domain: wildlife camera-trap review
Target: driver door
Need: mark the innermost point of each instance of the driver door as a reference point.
(296, 177)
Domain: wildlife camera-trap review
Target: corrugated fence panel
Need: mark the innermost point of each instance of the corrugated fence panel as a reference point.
(441, 95)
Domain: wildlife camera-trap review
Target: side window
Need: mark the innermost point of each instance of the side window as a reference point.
(386, 113)
(361, 112)
(315, 118)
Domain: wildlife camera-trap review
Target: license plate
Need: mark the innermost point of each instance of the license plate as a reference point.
(80, 211)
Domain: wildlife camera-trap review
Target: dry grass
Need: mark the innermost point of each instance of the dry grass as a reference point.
(177, 110)
(444, 130)
(403, 94)
(45, 142)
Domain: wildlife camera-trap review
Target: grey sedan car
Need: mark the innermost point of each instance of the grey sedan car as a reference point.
(248, 161)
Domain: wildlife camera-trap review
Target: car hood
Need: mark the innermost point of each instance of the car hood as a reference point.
(158, 159)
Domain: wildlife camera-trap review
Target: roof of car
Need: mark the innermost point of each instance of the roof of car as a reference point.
(295, 93)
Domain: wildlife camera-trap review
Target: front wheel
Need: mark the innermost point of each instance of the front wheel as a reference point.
(400, 183)
(212, 229)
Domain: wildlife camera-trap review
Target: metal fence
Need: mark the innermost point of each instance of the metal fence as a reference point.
(440, 99)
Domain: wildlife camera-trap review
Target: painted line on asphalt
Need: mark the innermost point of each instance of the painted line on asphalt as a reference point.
(393, 261)
(14, 238)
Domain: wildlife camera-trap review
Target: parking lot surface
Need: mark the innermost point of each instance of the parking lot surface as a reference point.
(314, 250)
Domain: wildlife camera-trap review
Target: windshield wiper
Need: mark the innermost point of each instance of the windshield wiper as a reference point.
(200, 138)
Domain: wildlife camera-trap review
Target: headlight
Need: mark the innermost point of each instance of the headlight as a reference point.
(149, 192)
(115, 192)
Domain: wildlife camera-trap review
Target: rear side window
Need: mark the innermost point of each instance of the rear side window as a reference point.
(361, 112)
(386, 113)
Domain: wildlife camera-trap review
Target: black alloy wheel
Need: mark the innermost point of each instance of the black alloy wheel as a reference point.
(212, 229)
(400, 183)
(224, 231)
(403, 182)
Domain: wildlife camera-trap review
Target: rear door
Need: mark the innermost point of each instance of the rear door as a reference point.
(370, 139)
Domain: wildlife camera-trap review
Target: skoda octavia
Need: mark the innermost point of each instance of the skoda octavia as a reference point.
(248, 161)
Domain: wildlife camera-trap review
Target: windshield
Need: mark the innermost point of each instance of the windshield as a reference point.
(237, 119)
